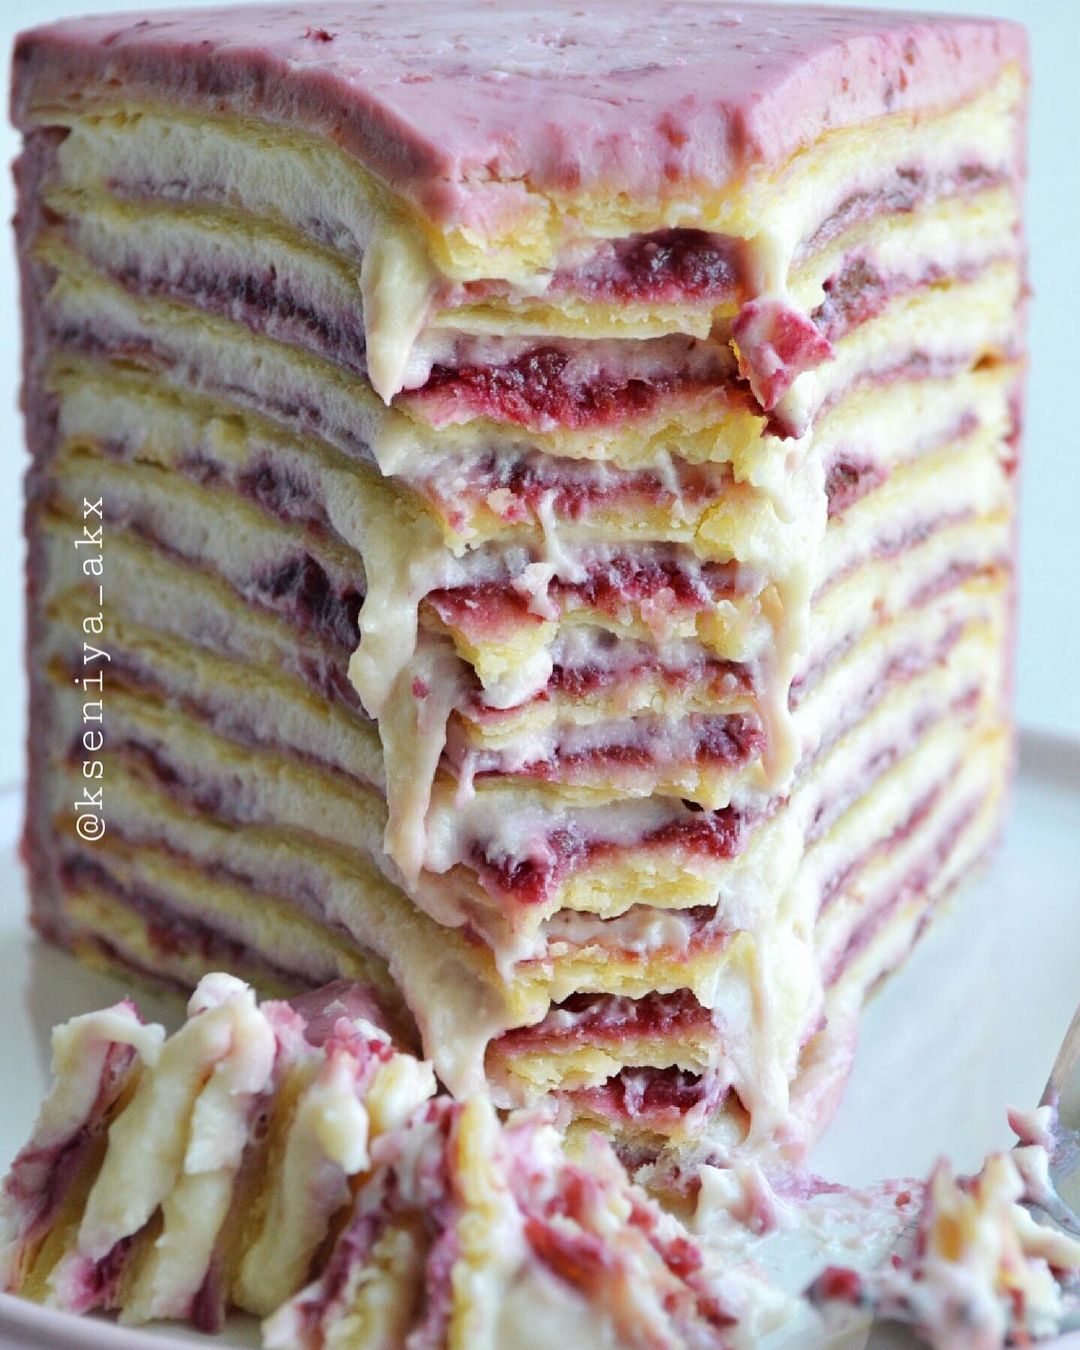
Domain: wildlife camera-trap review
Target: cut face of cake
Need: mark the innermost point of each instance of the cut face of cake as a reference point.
(521, 513)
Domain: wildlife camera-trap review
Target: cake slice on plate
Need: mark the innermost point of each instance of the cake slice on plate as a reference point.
(521, 514)
(175, 1178)
(288, 1160)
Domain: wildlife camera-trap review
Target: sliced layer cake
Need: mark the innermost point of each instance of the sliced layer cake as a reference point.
(537, 491)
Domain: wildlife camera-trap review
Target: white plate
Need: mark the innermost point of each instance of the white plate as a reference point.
(969, 1025)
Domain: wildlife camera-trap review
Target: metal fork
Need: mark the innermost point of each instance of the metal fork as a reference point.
(1063, 1092)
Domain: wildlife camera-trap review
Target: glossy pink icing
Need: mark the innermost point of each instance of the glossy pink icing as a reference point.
(461, 107)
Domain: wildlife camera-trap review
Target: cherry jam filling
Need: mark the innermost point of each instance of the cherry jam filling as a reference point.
(916, 882)
(907, 188)
(625, 577)
(656, 1097)
(302, 588)
(590, 677)
(264, 303)
(666, 266)
(887, 547)
(856, 294)
(282, 494)
(533, 880)
(851, 477)
(848, 480)
(517, 489)
(956, 574)
(584, 1018)
(917, 816)
(712, 834)
(610, 584)
(530, 880)
(542, 389)
(171, 933)
(722, 741)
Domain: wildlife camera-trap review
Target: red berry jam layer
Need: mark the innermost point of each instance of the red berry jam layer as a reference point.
(657, 1101)
(547, 388)
(587, 1019)
(666, 267)
(658, 580)
(582, 754)
(524, 487)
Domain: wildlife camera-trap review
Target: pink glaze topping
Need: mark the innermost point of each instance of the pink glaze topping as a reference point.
(465, 107)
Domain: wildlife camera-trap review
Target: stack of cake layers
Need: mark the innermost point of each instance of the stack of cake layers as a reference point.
(553, 476)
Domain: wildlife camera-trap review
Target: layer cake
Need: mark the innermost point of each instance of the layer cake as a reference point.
(521, 514)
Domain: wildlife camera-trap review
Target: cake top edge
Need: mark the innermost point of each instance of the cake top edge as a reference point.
(448, 104)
